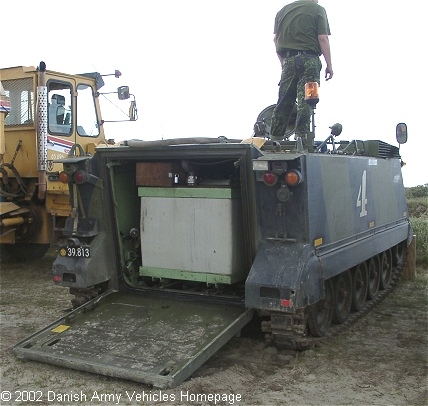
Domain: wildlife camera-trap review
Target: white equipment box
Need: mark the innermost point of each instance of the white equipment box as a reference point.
(192, 234)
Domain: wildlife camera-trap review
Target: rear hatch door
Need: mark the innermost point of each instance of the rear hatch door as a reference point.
(158, 341)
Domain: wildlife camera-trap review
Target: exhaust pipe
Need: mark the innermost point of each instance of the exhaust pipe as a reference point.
(42, 129)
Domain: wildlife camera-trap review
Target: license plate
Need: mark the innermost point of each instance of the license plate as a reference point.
(75, 252)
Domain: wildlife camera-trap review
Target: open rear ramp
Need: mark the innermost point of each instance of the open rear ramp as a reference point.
(153, 340)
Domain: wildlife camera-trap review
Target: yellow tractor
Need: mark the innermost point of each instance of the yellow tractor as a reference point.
(44, 116)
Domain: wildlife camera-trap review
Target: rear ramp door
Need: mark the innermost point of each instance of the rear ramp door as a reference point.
(156, 341)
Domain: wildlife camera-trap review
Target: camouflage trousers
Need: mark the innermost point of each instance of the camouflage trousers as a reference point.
(296, 71)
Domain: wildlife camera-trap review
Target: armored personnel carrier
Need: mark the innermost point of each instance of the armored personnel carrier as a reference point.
(173, 246)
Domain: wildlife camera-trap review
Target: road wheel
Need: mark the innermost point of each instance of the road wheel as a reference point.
(342, 297)
(385, 269)
(359, 286)
(374, 277)
(321, 313)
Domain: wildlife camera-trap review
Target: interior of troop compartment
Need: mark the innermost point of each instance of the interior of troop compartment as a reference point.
(216, 204)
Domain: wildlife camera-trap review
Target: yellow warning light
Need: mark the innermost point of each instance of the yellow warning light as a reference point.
(311, 93)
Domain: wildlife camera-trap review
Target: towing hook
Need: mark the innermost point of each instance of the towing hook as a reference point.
(74, 242)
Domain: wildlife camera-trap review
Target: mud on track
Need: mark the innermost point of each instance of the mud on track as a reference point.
(381, 360)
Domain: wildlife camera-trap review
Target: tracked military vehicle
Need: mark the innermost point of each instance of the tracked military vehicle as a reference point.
(189, 239)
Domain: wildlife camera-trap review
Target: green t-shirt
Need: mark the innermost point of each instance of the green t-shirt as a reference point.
(298, 24)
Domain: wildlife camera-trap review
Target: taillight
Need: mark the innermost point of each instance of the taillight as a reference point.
(286, 302)
(293, 177)
(270, 178)
(80, 176)
(64, 177)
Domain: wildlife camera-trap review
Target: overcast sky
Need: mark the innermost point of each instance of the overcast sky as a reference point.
(208, 68)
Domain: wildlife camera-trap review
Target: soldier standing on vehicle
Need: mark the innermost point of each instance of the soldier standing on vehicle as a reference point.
(301, 36)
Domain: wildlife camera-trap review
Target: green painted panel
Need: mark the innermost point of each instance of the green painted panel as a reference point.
(186, 192)
(189, 276)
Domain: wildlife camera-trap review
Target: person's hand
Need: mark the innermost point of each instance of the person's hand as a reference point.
(328, 73)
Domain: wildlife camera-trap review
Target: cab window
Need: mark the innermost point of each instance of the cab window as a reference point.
(59, 108)
(21, 95)
(87, 120)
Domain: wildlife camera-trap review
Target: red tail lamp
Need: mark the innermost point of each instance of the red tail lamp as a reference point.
(270, 178)
(64, 177)
(80, 176)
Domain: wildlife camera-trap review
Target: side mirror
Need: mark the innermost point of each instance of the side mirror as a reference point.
(401, 133)
(123, 92)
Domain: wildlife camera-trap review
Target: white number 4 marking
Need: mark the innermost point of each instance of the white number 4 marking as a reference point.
(362, 199)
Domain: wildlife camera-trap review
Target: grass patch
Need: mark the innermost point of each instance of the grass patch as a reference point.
(420, 229)
(417, 203)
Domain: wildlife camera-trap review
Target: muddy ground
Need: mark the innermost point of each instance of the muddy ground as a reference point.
(380, 360)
